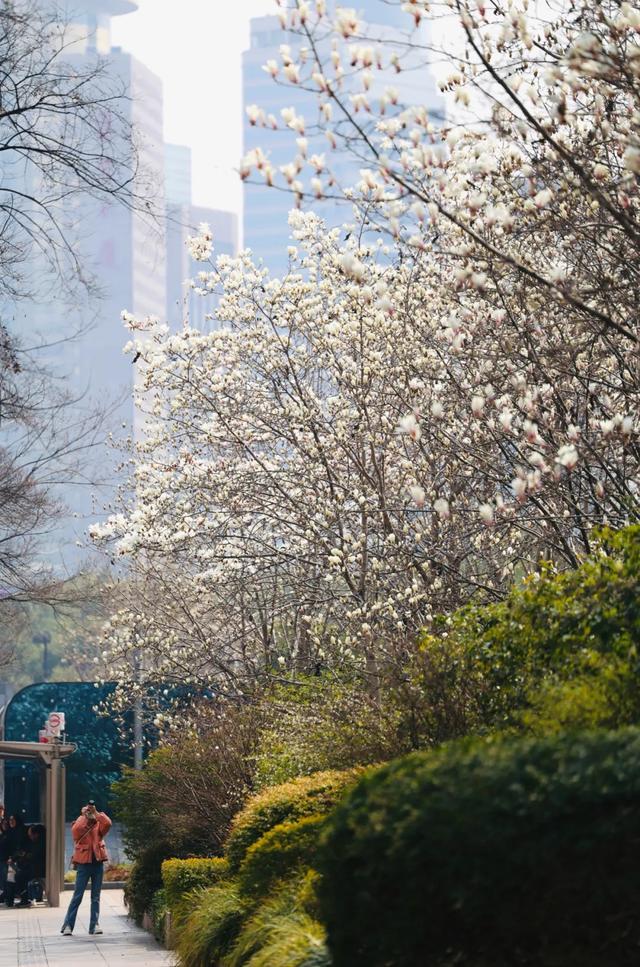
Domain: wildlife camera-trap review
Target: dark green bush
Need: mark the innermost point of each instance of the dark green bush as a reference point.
(280, 853)
(144, 881)
(307, 796)
(158, 911)
(179, 877)
(491, 854)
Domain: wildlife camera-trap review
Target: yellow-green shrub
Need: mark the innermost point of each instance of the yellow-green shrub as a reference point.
(559, 652)
(308, 796)
(281, 852)
(179, 877)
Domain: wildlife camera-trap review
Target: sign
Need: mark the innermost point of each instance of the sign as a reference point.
(44, 735)
(55, 723)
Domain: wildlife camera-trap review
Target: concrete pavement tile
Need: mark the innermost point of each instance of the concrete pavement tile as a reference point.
(32, 938)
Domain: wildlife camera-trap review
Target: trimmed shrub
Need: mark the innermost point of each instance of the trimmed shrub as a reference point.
(179, 877)
(491, 854)
(307, 796)
(281, 932)
(208, 933)
(280, 853)
(308, 893)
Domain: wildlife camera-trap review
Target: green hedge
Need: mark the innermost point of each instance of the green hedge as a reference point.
(279, 854)
(264, 911)
(307, 796)
(492, 854)
(226, 929)
(179, 877)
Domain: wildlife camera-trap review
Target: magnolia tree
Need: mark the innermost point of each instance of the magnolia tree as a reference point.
(528, 222)
(277, 514)
(414, 415)
(333, 464)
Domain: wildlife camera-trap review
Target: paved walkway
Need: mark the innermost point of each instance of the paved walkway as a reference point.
(32, 938)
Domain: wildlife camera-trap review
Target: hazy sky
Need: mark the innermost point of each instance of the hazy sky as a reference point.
(195, 46)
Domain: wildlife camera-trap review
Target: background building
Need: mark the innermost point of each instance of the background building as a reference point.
(266, 210)
(139, 264)
(183, 219)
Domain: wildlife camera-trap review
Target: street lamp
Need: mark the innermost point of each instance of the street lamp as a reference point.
(43, 638)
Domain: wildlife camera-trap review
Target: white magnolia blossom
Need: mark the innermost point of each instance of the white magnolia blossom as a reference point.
(200, 246)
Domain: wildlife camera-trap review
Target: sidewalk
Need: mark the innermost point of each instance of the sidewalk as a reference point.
(32, 938)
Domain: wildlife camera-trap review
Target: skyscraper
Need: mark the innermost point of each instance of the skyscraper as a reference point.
(184, 219)
(139, 264)
(123, 250)
(266, 209)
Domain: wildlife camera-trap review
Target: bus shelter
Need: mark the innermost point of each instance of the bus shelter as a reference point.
(50, 757)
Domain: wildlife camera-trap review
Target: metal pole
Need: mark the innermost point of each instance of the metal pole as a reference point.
(138, 731)
(43, 638)
(55, 832)
(63, 817)
(49, 832)
(137, 735)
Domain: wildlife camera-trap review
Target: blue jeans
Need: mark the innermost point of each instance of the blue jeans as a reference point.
(86, 871)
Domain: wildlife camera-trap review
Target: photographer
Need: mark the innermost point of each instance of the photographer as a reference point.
(89, 856)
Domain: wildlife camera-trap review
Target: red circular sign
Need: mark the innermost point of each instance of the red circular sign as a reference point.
(55, 720)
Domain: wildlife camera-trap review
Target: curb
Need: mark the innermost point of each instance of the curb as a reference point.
(110, 885)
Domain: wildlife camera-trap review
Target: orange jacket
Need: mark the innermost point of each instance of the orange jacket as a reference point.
(88, 836)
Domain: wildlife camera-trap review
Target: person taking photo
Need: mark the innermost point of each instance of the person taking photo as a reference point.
(89, 856)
